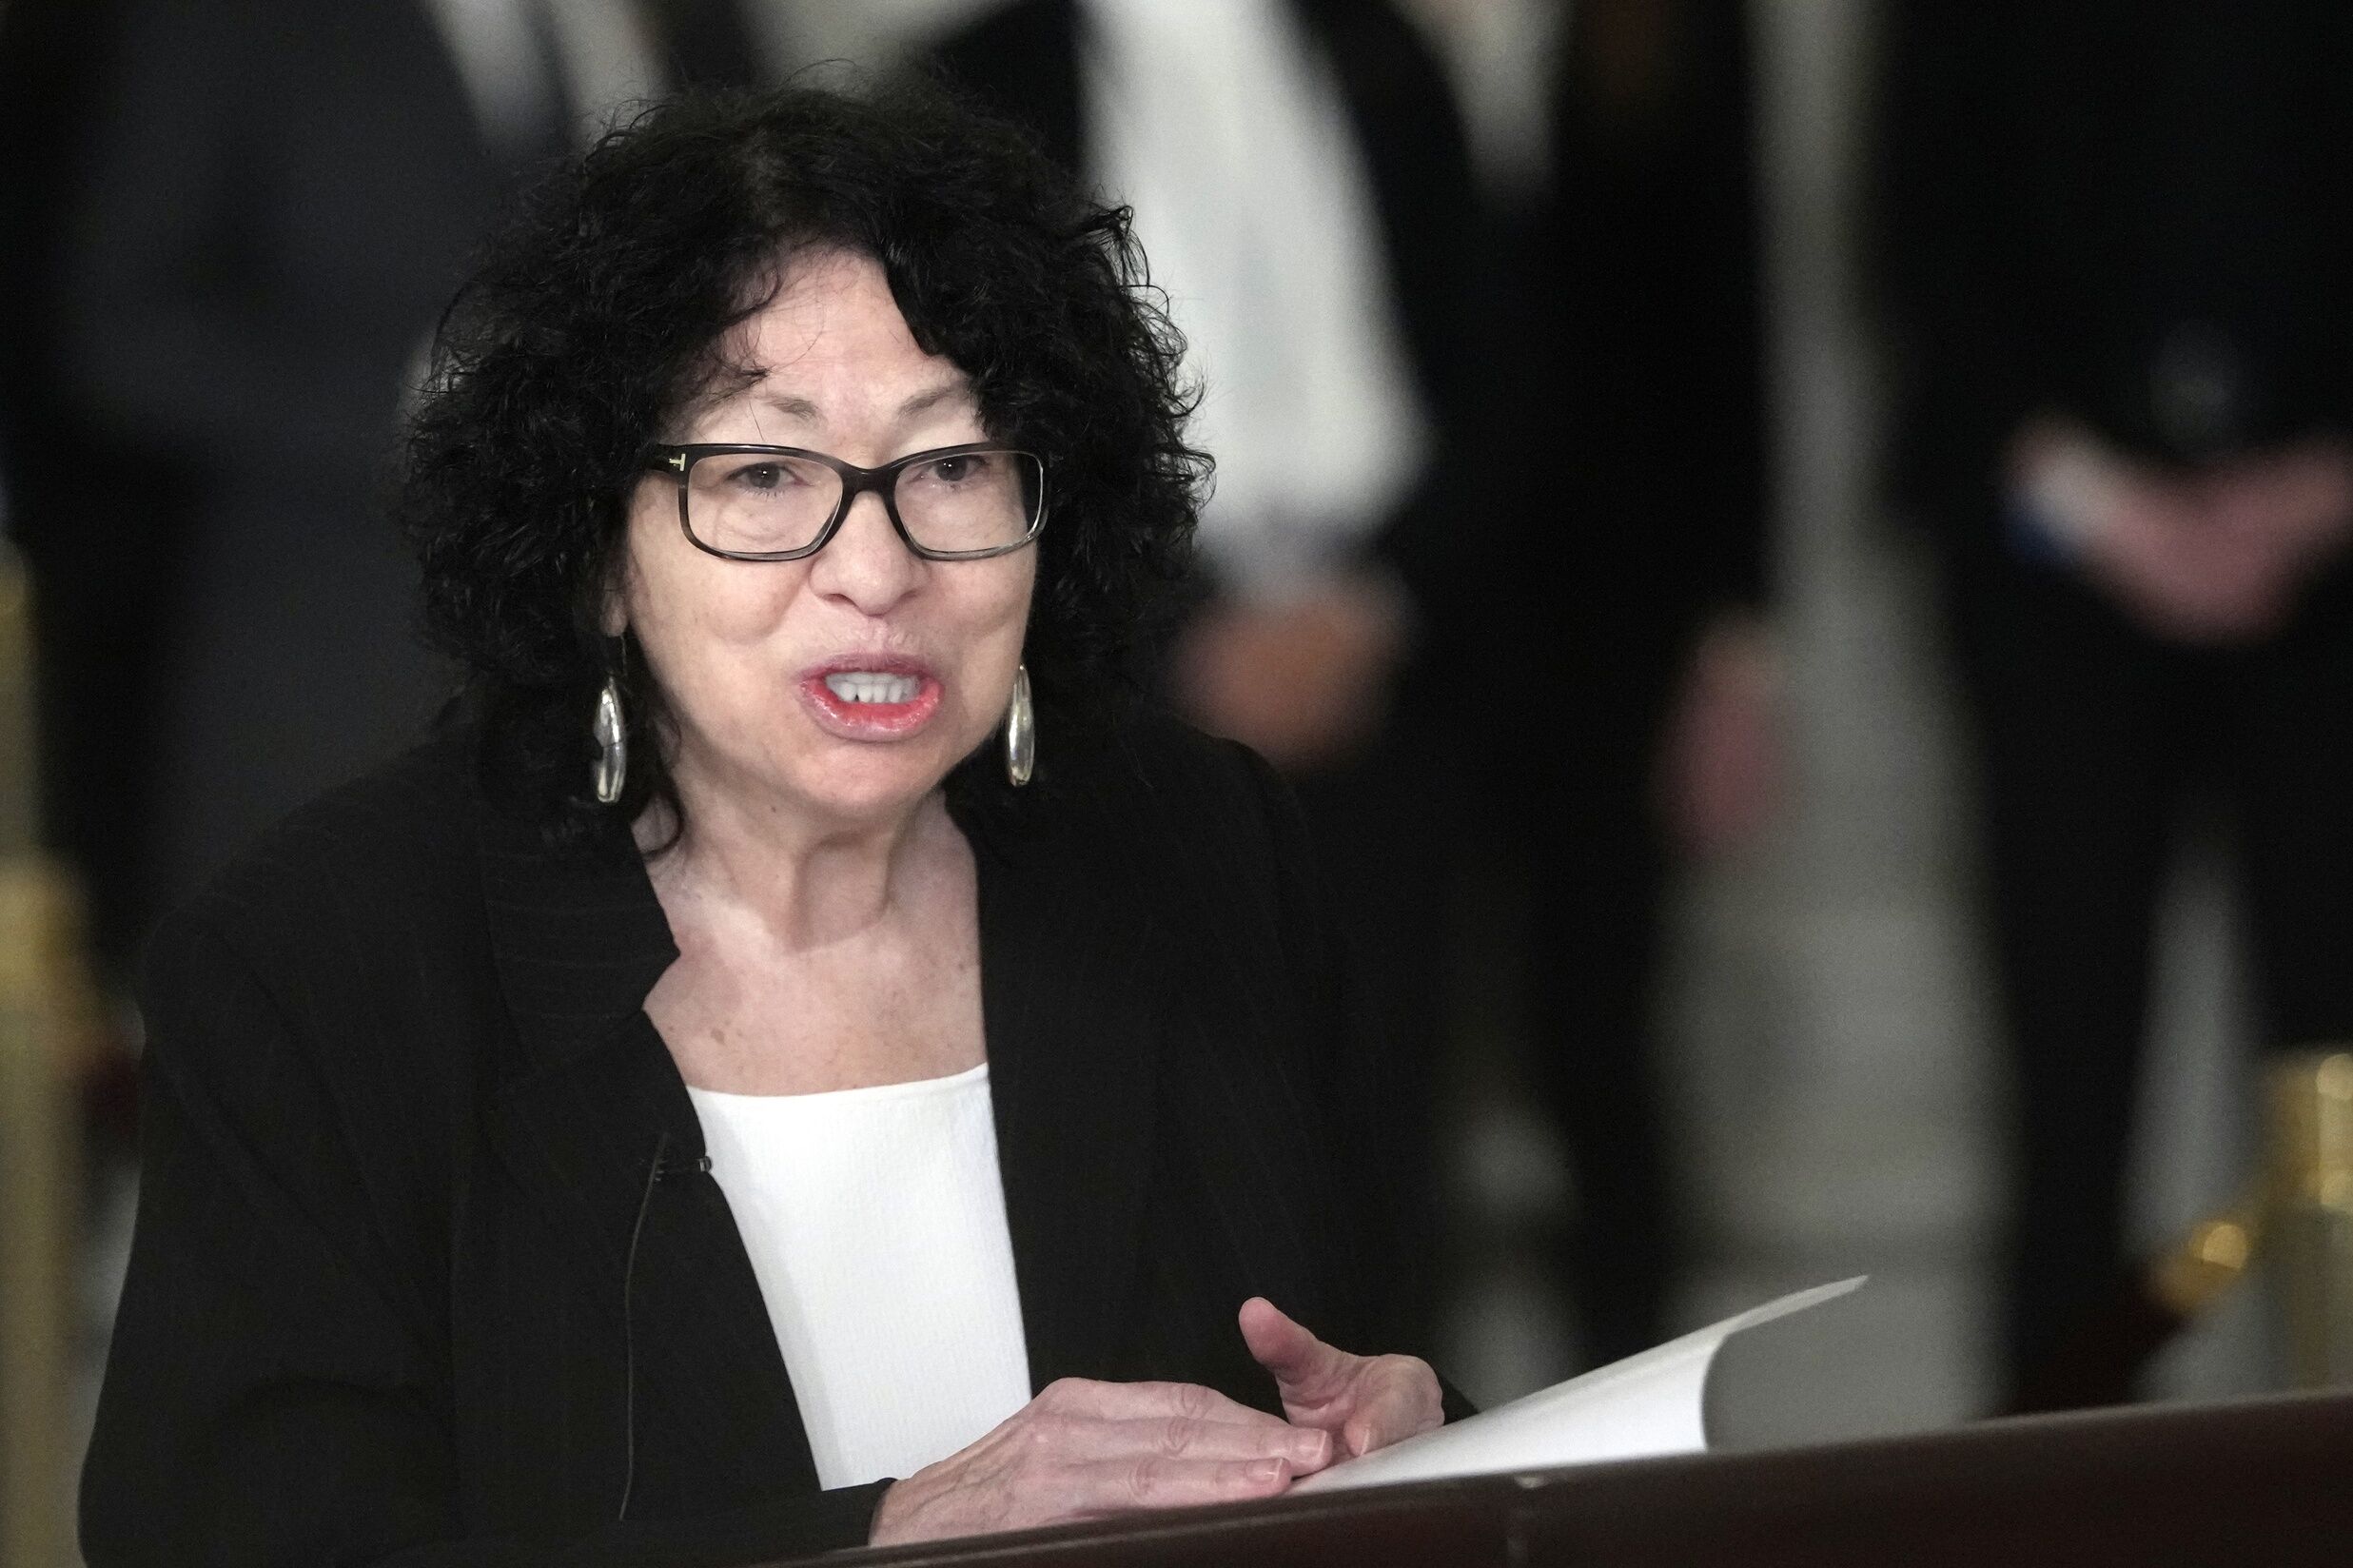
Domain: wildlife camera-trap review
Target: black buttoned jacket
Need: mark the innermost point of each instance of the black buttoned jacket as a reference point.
(427, 1269)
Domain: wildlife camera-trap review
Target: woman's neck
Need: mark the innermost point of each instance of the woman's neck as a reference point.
(808, 884)
(816, 956)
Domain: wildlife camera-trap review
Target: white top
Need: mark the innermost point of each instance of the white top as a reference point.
(875, 1221)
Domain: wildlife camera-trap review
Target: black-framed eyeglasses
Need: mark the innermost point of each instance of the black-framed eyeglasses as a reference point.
(750, 503)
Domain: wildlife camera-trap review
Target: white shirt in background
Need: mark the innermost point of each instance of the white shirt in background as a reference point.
(1224, 126)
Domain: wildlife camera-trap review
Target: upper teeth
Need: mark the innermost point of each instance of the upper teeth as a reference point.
(864, 686)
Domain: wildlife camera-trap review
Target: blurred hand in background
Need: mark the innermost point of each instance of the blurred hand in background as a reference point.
(2213, 555)
(1721, 763)
(1303, 679)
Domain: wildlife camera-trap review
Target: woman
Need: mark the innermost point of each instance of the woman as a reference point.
(688, 1109)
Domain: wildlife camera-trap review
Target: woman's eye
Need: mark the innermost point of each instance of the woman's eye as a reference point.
(763, 476)
(957, 469)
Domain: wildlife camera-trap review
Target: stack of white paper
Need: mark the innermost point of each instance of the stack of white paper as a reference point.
(1644, 1405)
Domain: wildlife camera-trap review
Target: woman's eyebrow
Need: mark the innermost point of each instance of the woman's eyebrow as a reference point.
(922, 403)
(791, 407)
(795, 407)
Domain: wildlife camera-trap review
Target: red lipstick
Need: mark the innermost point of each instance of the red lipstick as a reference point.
(872, 697)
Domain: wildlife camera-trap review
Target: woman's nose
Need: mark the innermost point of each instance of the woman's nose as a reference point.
(866, 562)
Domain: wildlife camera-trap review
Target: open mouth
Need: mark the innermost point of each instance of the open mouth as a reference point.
(865, 686)
(858, 700)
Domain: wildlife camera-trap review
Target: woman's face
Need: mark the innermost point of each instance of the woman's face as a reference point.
(840, 688)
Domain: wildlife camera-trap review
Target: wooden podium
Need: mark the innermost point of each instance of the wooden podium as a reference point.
(2250, 1484)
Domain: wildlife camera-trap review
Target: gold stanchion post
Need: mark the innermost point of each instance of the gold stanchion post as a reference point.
(45, 1011)
(2310, 1239)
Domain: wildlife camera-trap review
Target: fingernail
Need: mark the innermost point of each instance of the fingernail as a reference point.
(1266, 1470)
(1312, 1446)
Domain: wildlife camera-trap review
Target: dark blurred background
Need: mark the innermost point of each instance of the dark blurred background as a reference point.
(1797, 555)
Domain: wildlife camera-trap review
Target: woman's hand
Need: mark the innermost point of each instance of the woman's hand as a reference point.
(1365, 1401)
(1084, 1450)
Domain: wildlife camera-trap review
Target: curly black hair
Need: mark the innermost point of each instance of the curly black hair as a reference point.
(605, 309)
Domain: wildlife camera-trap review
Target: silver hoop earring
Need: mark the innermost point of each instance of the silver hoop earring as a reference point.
(612, 736)
(1021, 731)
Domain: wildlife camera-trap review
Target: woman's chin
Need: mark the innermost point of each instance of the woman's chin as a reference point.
(813, 778)
(873, 781)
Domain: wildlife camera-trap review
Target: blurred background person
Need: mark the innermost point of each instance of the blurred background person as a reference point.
(2118, 239)
(1625, 524)
(259, 211)
(1304, 190)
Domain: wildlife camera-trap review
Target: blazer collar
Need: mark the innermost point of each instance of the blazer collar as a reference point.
(576, 931)
(1072, 979)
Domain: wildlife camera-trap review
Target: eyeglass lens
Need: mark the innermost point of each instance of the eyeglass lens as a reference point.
(756, 502)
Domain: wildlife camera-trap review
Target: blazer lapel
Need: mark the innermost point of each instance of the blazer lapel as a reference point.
(579, 1121)
(1069, 982)
(580, 940)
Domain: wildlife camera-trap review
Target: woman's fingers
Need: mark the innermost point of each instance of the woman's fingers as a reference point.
(1371, 1402)
(1116, 1486)
(1084, 1397)
(1083, 1448)
(1306, 1367)
(1400, 1397)
(1186, 1418)
(1182, 1437)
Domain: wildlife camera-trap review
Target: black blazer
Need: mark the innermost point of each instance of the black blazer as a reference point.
(425, 1268)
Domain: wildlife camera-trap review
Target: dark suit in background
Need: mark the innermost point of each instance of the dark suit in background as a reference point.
(2136, 217)
(258, 210)
(278, 199)
(1628, 505)
(1380, 818)
(81, 510)
(425, 1269)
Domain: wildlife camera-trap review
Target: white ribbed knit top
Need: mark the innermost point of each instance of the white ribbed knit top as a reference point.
(875, 1221)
